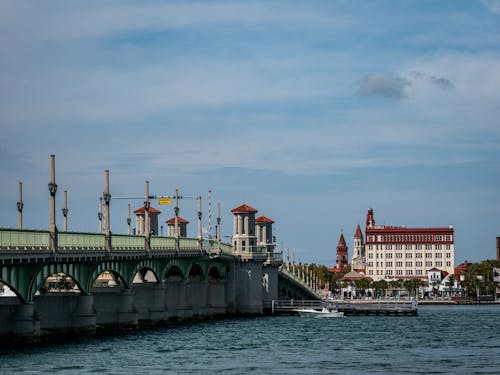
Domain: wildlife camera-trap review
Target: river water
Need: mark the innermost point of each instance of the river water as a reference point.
(440, 340)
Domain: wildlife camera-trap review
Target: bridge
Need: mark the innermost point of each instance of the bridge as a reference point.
(80, 283)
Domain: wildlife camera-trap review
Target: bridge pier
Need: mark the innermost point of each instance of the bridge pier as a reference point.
(127, 314)
(216, 297)
(25, 324)
(150, 303)
(115, 308)
(83, 319)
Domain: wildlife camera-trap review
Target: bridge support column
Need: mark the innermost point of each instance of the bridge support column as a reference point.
(83, 319)
(150, 303)
(216, 297)
(158, 311)
(199, 300)
(127, 314)
(25, 324)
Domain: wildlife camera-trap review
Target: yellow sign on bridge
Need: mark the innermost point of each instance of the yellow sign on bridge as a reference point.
(164, 200)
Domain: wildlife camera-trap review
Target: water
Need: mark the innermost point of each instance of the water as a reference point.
(441, 340)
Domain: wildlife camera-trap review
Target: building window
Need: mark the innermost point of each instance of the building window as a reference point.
(448, 247)
(409, 255)
(388, 264)
(418, 247)
(408, 247)
(428, 246)
(448, 263)
(409, 272)
(370, 264)
(418, 255)
(428, 255)
(370, 255)
(388, 255)
(418, 264)
(428, 264)
(438, 238)
(399, 247)
(439, 264)
(388, 247)
(439, 246)
(399, 255)
(409, 264)
(370, 272)
(448, 255)
(418, 272)
(389, 272)
(439, 255)
(399, 264)
(399, 272)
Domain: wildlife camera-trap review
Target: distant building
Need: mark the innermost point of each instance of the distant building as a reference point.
(496, 279)
(400, 252)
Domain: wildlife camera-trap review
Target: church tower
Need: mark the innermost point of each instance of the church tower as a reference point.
(358, 254)
(342, 249)
(370, 221)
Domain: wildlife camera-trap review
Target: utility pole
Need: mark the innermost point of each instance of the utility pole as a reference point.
(20, 206)
(176, 221)
(107, 200)
(200, 233)
(52, 191)
(65, 211)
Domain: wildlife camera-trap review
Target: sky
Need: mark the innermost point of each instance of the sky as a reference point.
(310, 112)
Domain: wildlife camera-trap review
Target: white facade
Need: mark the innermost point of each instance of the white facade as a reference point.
(399, 252)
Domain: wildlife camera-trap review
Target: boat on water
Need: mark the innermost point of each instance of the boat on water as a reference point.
(323, 313)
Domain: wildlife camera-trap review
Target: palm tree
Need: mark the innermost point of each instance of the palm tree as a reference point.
(450, 283)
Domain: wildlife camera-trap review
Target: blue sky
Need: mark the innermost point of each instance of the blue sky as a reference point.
(311, 112)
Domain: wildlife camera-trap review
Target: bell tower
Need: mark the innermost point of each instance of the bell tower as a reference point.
(370, 221)
(358, 255)
(342, 251)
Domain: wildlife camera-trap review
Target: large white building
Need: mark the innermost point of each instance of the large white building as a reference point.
(400, 252)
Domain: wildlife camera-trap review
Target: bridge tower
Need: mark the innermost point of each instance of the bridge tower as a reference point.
(182, 226)
(264, 229)
(140, 220)
(244, 238)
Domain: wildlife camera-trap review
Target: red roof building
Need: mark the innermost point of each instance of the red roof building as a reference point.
(400, 252)
(140, 217)
(182, 223)
(244, 208)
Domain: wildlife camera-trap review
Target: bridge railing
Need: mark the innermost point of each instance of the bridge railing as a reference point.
(127, 242)
(297, 280)
(188, 244)
(84, 241)
(162, 243)
(16, 239)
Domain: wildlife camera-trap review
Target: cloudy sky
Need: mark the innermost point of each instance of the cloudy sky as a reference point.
(311, 112)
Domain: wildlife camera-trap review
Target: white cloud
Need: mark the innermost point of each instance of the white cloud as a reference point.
(492, 5)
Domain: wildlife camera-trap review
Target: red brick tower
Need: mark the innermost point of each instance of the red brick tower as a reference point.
(342, 259)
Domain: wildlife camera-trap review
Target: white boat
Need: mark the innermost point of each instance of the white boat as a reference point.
(324, 313)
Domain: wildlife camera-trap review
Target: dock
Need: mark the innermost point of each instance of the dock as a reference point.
(381, 307)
